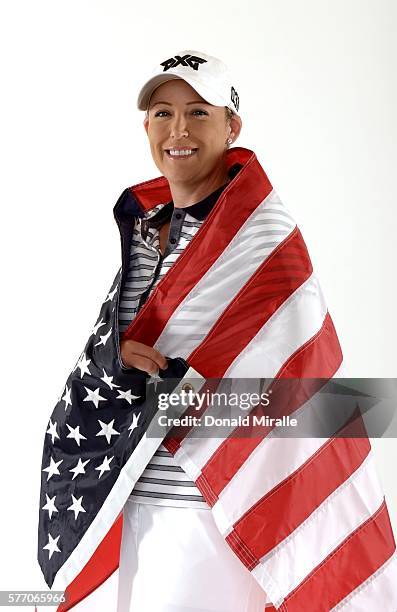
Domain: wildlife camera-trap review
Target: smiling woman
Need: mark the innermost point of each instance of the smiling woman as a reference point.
(188, 137)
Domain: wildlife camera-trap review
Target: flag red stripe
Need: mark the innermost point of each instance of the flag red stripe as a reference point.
(286, 269)
(320, 358)
(361, 554)
(100, 566)
(268, 288)
(201, 252)
(150, 193)
(310, 360)
(267, 523)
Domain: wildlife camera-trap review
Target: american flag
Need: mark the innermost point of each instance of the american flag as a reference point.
(307, 517)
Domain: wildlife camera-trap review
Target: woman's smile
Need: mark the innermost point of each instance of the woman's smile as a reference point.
(177, 155)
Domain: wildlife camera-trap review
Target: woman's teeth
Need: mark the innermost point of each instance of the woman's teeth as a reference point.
(181, 152)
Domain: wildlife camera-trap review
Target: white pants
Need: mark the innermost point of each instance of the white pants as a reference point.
(176, 560)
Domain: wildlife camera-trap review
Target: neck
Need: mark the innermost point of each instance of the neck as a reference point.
(184, 194)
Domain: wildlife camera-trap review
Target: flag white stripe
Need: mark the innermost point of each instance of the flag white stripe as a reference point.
(201, 308)
(285, 455)
(349, 506)
(242, 491)
(282, 335)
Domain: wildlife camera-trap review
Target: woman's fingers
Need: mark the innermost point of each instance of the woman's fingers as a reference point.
(151, 353)
(133, 353)
(144, 363)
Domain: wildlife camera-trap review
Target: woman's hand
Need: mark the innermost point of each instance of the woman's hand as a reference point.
(138, 355)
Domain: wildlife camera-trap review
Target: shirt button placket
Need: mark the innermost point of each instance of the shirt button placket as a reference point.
(176, 226)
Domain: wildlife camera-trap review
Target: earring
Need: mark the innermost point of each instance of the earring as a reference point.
(230, 140)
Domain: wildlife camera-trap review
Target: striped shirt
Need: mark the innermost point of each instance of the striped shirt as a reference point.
(163, 482)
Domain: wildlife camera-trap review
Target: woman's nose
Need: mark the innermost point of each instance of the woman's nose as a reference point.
(179, 127)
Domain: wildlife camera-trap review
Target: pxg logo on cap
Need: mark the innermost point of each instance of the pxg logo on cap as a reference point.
(187, 60)
(194, 62)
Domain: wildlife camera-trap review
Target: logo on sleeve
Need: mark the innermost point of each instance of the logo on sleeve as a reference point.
(187, 60)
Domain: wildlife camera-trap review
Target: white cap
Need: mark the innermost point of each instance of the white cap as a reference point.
(209, 76)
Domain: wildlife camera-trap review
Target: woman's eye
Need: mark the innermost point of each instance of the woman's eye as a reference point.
(160, 113)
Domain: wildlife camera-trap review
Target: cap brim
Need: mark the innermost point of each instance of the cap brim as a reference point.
(206, 93)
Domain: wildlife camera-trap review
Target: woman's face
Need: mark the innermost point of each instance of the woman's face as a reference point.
(178, 117)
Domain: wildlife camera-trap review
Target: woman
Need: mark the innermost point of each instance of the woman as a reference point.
(188, 137)
(216, 284)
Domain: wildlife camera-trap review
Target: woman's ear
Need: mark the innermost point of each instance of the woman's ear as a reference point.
(146, 123)
(235, 125)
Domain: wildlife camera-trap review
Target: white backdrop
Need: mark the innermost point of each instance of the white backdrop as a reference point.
(317, 86)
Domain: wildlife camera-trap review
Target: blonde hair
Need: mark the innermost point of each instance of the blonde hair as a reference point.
(229, 113)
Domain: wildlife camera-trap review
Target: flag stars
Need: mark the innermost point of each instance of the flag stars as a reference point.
(83, 364)
(154, 380)
(107, 430)
(110, 295)
(127, 395)
(75, 434)
(105, 466)
(99, 324)
(50, 505)
(105, 338)
(52, 545)
(108, 380)
(134, 423)
(94, 397)
(52, 431)
(67, 397)
(52, 468)
(76, 506)
(79, 468)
